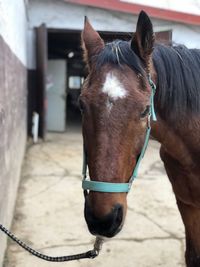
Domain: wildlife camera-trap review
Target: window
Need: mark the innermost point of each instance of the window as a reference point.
(75, 82)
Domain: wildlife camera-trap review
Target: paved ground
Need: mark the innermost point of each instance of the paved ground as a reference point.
(49, 212)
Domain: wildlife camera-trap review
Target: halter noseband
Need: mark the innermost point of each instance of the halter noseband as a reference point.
(121, 187)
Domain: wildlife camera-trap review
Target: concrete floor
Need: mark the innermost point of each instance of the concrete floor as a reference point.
(49, 212)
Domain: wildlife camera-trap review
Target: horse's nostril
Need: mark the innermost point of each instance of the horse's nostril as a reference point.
(119, 213)
(108, 225)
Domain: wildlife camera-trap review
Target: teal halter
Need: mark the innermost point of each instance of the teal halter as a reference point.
(122, 187)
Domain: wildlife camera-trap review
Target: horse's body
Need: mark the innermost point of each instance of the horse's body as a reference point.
(178, 131)
(115, 101)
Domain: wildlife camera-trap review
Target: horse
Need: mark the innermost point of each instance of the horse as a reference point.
(115, 102)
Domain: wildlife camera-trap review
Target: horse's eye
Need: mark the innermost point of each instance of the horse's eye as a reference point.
(145, 112)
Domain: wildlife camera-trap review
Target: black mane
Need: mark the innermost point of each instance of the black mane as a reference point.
(119, 53)
(178, 74)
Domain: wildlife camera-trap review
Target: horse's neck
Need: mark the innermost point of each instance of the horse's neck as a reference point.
(168, 135)
(171, 141)
(179, 132)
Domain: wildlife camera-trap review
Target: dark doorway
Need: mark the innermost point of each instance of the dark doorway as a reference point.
(65, 44)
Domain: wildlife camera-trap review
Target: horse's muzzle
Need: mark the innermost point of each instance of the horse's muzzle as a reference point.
(108, 225)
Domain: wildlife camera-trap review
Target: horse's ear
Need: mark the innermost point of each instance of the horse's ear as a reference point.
(143, 39)
(92, 43)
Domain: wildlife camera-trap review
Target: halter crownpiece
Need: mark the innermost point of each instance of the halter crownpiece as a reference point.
(106, 187)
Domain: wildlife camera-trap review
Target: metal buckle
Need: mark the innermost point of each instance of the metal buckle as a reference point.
(149, 121)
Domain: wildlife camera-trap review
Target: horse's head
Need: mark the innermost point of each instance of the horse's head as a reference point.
(115, 104)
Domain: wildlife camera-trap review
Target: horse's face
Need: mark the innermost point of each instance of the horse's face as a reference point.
(115, 102)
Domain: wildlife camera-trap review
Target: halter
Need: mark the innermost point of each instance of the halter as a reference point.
(122, 187)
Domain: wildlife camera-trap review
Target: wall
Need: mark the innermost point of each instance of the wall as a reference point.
(188, 6)
(13, 73)
(62, 15)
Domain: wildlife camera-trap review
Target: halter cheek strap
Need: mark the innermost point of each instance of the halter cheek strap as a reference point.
(122, 187)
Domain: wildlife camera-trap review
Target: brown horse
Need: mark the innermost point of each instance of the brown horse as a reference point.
(115, 104)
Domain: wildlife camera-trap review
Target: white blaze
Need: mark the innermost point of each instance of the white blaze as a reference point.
(113, 87)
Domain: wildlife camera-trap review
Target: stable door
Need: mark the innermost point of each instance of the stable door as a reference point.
(56, 95)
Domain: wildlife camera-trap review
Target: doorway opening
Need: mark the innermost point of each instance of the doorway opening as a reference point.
(64, 53)
(51, 104)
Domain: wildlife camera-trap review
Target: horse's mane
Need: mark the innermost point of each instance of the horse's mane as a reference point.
(178, 74)
(119, 53)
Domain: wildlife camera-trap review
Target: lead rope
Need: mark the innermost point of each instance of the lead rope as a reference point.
(91, 254)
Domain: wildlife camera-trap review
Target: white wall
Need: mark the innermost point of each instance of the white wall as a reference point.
(13, 26)
(187, 35)
(61, 15)
(187, 6)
